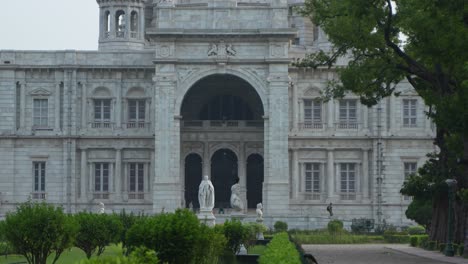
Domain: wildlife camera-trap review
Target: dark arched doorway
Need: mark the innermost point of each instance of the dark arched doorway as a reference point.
(254, 180)
(193, 177)
(223, 174)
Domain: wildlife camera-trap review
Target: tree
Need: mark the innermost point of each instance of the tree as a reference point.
(422, 42)
(96, 231)
(36, 230)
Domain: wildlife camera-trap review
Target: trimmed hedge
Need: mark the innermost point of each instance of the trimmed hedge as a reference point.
(419, 240)
(280, 250)
(416, 230)
(400, 239)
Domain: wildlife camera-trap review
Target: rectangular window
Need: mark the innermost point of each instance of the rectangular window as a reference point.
(136, 110)
(348, 181)
(136, 177)
(40, 113)
(102, 110)
(312, 113)
(312, 177)
(348, 114)
(39, 176)
(101, 177)
(409, 112)
(409, 168)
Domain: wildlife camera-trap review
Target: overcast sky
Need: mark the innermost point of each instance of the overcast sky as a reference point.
(49, 24)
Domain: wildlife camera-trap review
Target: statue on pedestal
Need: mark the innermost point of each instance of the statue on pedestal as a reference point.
(101, 210)
(236, 201)
(206, 194)
(259, 212)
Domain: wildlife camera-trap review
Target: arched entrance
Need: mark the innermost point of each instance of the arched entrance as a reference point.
(193, 177)
(223, 175)
(254, 180)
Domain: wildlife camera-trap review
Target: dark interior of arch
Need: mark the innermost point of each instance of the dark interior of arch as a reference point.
(222, 97)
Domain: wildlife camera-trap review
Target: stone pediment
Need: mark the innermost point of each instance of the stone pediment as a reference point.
(312, 92)
(40, 92)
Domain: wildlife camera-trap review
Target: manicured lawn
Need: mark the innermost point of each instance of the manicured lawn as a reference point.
(343, 238)
(68, 257)
(258, 249)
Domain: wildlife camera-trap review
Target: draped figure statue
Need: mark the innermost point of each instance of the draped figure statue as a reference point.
(206, 194)
(236, 201)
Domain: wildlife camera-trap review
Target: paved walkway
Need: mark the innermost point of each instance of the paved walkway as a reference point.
(377, 254)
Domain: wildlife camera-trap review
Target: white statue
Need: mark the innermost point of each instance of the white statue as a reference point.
(206, 194)
(236, 201)
(213, 51)
(259, 211)
(101, 210)
(230, 50)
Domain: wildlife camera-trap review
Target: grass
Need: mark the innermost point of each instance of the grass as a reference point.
(323, 237)
(74, 255)
(258, 249)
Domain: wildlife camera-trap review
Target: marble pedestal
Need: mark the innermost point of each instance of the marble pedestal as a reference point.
(260, 234)
(206, 217)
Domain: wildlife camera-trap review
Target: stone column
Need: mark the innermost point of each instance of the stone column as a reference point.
(118, 174)
(330, 114)
(91, 180)
(118, 108)
(166, 186)
(57, 108)
(365, 173)
(206, 160)
(22, 105)
(241, 171)
(365, 118)
(295, 174)
(84, 163)
(294, 107)
(392, 103)
(330, 175)
(84, 106)
(276, 184)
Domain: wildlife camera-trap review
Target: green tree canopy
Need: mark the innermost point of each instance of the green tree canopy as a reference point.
(36, 230)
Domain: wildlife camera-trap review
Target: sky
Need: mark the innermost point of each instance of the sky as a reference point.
(49, 24)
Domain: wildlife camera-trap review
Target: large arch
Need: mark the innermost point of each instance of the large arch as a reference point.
(255, 177)
(222, 97)
(197, 76)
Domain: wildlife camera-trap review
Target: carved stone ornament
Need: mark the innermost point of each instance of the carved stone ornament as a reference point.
(40, 92)
(277, 51)
(221, 49)
(164, 51)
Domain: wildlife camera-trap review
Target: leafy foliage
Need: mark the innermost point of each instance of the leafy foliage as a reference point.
(138, 256)
(420, 211)
(335, 226)
(280, 250)
(96, 231)
(235, 234)
(36, 230)
(280, 226)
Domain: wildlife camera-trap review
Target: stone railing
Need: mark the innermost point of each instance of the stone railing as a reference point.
(101, 124)
(136, 125)
(222, 124)
(348, 196)
(38, 195)
(347, 125)
(101, 195)
(311, 125)
(136, 195)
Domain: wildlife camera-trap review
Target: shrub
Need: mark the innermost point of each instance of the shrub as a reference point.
(432, 245)
(335, 226)
(414, 241)
(416, 230)
(441, 247)
(461, 249)
(455, 248)
(209, 246)
(423, 241)
(138, 256)
(174, 236)
(280, 226)
(401, 239)
(96, 231)
(36, 230)
(280, 250)
(235, 234)
(127, 221)
(362, 225)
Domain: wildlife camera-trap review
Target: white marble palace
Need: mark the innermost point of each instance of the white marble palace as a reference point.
(184, 88)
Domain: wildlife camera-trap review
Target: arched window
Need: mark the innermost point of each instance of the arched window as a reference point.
(120, 23)
(133, 24)
(107, 23)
